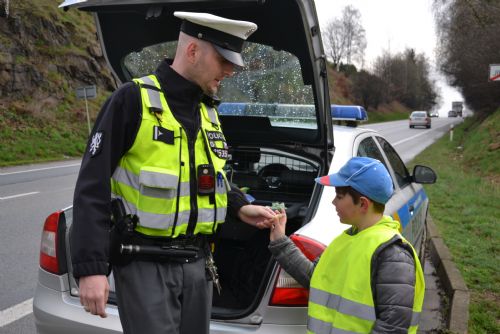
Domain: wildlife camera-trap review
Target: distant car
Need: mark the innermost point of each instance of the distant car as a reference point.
(434, 114)
(277, 121)
(452, 113)
(420, 118)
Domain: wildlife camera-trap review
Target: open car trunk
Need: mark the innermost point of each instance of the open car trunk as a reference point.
(268, 177)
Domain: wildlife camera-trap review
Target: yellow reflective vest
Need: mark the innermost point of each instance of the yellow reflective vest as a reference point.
(153, 178)
(340, 296)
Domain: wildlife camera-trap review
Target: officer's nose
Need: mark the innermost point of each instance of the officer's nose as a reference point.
(228, 69)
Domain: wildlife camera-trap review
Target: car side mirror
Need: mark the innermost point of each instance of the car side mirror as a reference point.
(424, 174)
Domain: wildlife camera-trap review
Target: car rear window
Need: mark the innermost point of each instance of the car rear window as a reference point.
(419, 114)
(269, 85)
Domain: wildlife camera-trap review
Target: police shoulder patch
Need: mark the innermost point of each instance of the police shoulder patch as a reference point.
(96, 142)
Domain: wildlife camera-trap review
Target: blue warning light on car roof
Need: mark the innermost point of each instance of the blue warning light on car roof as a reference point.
(348, 113)
(338, 112)
(232, 108)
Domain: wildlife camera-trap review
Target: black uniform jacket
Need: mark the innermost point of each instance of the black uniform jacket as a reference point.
(113, 134)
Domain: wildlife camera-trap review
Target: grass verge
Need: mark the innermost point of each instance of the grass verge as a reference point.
(45, 135)
(465, 207)
(27, 139)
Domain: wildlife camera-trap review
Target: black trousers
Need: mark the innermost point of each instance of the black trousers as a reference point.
(164, 297)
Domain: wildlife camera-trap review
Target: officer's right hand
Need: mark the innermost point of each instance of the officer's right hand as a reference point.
(94, 292)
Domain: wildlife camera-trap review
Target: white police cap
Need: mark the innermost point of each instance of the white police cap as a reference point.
(227, 36)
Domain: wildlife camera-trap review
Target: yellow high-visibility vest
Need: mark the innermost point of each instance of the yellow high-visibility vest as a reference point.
(153, 178)
(340, 296)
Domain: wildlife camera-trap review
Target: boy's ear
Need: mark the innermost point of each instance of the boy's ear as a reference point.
(365, 203)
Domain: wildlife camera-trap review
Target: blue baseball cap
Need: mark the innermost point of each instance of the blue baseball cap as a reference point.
(366, 175)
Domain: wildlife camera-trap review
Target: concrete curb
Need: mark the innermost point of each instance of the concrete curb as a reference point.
(453, 283)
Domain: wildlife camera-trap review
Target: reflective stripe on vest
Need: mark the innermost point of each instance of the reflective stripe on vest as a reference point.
(132, 180)
(183, 217)
(158, 189)
(342, 305)
(340, 299)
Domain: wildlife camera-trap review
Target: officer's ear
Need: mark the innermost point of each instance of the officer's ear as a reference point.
(191, 51)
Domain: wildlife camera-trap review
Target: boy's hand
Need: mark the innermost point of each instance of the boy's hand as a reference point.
(278, 226)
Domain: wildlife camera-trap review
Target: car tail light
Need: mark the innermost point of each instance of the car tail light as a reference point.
(287, 291)
(49, 244)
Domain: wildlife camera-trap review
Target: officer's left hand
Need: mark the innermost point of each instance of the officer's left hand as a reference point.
(257, 215)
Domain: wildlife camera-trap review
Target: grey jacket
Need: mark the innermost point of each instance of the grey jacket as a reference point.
(392, 278)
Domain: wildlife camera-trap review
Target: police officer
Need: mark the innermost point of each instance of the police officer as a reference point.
(158, 147)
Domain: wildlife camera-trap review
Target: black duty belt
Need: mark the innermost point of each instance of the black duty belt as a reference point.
(181, 249)
(198, 240)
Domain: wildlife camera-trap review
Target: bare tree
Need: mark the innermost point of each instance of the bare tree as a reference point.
(334, 40)
(355, 37)
(407, 78)
(345, 37)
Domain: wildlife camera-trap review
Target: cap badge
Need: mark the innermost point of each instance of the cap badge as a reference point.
(200, 35)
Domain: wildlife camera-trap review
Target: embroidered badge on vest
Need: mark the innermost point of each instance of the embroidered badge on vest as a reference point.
(95, 145)
(214, 137)
(163, 135)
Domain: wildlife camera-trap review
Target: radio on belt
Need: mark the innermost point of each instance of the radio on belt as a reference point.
(206, 179)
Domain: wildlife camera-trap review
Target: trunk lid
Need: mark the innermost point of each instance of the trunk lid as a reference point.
(283, 87)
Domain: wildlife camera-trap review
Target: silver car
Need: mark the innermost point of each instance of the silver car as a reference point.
(257, 296)
(277, 119)
(420, 118)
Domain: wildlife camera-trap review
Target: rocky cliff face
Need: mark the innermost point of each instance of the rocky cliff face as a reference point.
(45, 54)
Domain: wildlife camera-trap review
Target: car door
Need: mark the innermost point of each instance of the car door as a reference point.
(409, 203)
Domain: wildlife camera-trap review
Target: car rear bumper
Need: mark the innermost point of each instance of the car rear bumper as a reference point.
(419, 123)
(56, 311)
(220, 328)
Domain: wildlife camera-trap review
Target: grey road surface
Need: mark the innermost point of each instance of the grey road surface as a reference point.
(28, 194)
(409, 142)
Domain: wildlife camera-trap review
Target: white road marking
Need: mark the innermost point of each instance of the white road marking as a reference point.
(407, 139)
(19, 195)
(38, 169)
(16, 312)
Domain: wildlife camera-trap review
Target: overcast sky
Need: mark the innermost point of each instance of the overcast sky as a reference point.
(393, 25)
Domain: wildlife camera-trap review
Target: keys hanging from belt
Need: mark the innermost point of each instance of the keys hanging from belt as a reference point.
(212, 270)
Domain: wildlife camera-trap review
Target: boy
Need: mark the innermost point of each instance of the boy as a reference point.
(369, 279)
